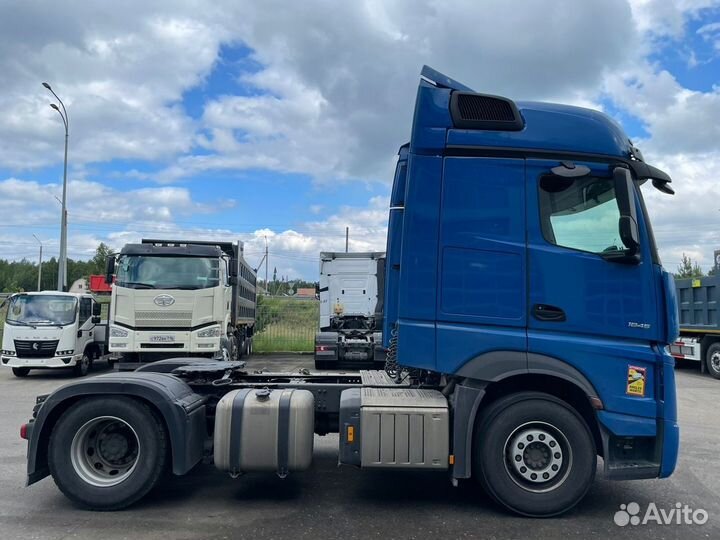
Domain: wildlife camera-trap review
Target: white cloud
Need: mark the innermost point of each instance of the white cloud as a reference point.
(667, 18)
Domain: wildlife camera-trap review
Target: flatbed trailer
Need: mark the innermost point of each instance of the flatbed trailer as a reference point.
(524, 337)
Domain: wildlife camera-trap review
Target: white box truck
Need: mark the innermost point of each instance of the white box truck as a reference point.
(180, 298)
(52, 330)
(351, 310)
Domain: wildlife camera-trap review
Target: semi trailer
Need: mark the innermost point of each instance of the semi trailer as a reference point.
(699, 325)
(351, 311)
(180, 298)
(526, 319)
(52, 330)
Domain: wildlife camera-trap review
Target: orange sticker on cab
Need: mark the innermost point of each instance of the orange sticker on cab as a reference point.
(636, 379)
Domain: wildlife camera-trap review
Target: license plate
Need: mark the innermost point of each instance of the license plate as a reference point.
(162, 339)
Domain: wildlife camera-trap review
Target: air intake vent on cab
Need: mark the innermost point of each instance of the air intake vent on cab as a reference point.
(481, 111)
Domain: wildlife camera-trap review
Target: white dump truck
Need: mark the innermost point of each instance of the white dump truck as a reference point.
(180, 298)
(52, 330)
(351, 310)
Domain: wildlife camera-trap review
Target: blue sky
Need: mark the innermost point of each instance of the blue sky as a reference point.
(253, 120)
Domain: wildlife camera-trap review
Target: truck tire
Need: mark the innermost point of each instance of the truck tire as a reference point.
(534, 454)
(83, 365)
(21, 371)
(107, 453)
(712, 360)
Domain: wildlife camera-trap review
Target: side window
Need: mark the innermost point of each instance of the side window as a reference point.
(580, 213)
(85, 310)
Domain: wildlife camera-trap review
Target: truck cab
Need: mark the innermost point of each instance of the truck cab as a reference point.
(52, 330)
(180, 298)
(351, 310)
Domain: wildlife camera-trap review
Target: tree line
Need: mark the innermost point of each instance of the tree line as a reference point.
(691, 269)
(22, 275)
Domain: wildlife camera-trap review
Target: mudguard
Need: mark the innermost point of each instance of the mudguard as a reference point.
(182, 410)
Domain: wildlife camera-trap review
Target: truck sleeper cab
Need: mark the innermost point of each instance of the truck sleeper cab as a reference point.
(526, 320)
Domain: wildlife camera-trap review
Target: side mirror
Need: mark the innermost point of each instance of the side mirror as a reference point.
(96, 319)
(628, 221)
(233, 280)
(233, 267)
(109, 270)
(96, 309)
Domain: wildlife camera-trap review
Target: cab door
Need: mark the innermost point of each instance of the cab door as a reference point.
(86, 327)
(585, 307)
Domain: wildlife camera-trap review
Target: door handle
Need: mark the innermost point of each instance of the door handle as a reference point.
(547, 313)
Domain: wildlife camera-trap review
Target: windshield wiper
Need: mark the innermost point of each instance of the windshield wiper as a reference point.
(136, 285)
(19, 323)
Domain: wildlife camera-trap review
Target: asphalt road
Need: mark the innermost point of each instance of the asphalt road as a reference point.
(331, 502)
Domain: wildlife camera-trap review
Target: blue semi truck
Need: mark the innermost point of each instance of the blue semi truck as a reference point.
(526, 320)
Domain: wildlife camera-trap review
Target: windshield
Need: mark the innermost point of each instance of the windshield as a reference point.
(162, 272)
(31, 310)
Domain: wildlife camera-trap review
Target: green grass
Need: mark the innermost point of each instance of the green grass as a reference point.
(285, 325)
(282, 337)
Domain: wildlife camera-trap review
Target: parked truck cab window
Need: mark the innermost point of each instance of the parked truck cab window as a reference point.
(41, 310)
(85, 310)
(151, 272)
(580, 213)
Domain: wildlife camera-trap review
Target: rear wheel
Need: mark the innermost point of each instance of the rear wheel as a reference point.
(21, 371)
(712, 360)
(106, 453)
(534, 454)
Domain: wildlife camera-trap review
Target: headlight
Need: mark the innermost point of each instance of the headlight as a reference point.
(9, 353)
(210, 332)
(69, 352)
(118, 332)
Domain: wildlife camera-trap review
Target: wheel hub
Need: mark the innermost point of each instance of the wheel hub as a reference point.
(715, 361)
(105, 451)
(535, 454)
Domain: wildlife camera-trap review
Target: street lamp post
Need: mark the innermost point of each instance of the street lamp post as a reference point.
(39, 264)
(62, 260)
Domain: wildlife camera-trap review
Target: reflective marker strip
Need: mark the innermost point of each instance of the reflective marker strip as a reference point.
(350, 434)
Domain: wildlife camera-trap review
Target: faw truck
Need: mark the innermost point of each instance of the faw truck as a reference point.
(699, 339)
(52, 330)
(526, 315)
(180, 298)
(351, 311)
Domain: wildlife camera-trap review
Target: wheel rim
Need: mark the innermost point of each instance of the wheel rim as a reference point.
(715, 362)
(538, 457)
(105, 451)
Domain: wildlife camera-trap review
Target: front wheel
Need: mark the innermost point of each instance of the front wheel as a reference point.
(534, 454)
(106, 453)
(83, 366)
(712, 360)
